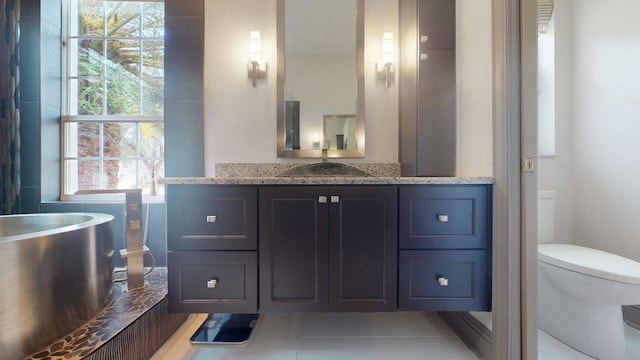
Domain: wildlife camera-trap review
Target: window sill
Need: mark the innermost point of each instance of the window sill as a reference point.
(106, 199)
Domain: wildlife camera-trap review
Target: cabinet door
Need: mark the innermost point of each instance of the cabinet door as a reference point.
(213, 281)
(293, 248)
(437, 21)
(436, 130)
(445, 217)
(212, 217)
(444, 280)
(363, 248)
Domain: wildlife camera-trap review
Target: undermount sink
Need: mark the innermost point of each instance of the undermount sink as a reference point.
(324, 169)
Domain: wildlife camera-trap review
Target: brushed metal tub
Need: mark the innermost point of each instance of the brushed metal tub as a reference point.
(55, 274)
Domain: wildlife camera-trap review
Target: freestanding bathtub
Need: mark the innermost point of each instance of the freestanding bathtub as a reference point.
(55, 274)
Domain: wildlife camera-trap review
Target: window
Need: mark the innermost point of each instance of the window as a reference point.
(113, 133)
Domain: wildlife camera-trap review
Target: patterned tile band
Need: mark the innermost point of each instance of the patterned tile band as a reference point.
(9, 107)
(118, 318)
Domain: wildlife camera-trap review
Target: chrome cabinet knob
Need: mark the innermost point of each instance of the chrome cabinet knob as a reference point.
(322, 199)
(335, 199)
(443, 218)
(211, 284)
(212, 218)
(443, 281)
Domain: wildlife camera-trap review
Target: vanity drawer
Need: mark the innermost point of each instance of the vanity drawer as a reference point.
(205, 217)
(443, 280)
(213, 281)
(444, 217)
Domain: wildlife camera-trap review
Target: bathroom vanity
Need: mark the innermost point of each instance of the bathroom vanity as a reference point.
(274, 244)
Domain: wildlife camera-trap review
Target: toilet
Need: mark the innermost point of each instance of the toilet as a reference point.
(581, 290)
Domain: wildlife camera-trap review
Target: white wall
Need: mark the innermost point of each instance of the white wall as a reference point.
(606, 125)
(555, 172)
(240, 121)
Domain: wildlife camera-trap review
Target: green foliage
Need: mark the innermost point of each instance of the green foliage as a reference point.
(113, 79)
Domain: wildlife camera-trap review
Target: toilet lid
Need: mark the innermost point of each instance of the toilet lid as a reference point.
(590, 262)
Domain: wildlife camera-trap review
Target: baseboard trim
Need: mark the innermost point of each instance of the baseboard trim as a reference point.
(631, 315)
(471, 331)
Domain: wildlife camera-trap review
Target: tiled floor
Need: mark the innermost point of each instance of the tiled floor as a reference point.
(402, 335)
(355, 336)
(551, 349)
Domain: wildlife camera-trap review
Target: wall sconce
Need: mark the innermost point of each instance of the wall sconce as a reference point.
(385, 69)
(257, 67)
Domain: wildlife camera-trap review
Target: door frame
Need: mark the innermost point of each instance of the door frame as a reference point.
(529, 185)
(515, 136)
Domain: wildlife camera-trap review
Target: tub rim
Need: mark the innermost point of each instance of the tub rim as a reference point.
(94, 220)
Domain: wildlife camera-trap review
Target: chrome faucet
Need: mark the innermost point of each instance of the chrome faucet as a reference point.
(133, 223)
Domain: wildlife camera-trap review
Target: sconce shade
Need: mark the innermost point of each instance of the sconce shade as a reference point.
(387, 47)
(385, 69)
(255, 45)
(257, 69)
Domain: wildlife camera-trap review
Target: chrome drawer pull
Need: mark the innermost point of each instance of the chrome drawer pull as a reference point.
(212, 218)
(335, 199)
(211, 284)
(443, 281)
(443, 218)
(322, 199)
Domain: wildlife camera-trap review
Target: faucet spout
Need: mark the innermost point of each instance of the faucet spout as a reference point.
(134, 242)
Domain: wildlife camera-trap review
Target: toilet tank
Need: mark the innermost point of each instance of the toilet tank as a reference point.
(546, 215)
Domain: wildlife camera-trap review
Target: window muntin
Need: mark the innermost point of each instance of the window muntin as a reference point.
(113, 133)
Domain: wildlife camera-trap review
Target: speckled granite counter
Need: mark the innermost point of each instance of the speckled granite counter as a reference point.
(327, 180)
(266, 174)
(224, 170)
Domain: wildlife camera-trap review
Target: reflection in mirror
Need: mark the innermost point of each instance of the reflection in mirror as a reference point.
(320, 74)
(339, 132)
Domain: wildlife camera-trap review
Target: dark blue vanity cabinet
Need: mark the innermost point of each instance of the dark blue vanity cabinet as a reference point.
(328, 248)
(445, 248)
(296, 248)
(212, 244)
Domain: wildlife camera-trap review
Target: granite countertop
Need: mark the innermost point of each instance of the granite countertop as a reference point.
(327, 180)
(265, 174)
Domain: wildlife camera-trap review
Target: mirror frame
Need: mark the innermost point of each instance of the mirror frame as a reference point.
(287, 153)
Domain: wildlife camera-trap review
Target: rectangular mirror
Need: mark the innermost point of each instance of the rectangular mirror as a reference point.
(320, 74)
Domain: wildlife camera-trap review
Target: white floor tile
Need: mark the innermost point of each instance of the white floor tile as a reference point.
(383, 349)
(542, 356)
(556, 350)
(340, 325)
(424, 324)
(278, 326)
(255, 348)
(443, 348)
(549, 348)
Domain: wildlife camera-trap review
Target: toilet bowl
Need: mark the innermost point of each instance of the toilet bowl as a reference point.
(580, 293)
